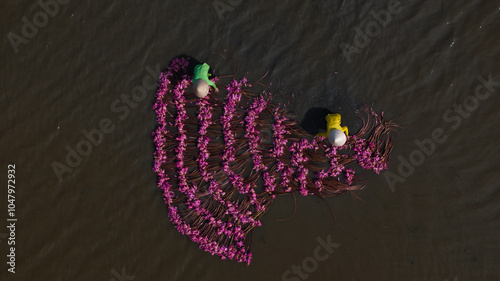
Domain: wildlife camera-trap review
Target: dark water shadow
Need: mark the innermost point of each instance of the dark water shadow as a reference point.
(314, 120)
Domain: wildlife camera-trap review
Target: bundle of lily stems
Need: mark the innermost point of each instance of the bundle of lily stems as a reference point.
(223, 159)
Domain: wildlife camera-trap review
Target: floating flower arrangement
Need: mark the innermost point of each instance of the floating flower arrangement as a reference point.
(222, 159)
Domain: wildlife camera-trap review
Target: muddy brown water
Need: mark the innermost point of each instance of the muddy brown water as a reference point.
(69, 69)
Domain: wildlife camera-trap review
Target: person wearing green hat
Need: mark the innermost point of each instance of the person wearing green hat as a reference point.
(201, 83)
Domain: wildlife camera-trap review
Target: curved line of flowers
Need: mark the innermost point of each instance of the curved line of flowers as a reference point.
(297, 159)
(205, 119)
(280, 144)
(252, 134)
(234, 97)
